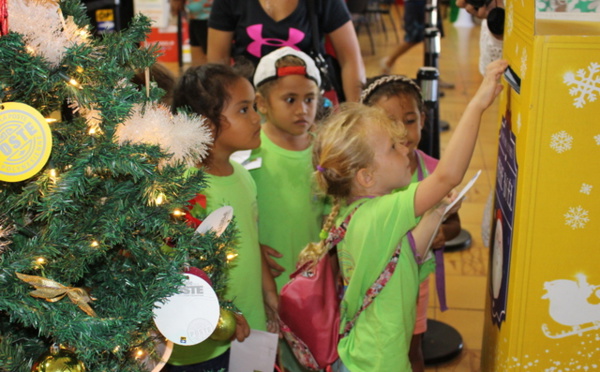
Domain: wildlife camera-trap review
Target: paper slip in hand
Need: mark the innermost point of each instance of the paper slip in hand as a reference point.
(255, 353)
(462, 193)
(458, 198)
(243, 157)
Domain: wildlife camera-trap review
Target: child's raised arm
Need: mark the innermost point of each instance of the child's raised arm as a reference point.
(455, 160)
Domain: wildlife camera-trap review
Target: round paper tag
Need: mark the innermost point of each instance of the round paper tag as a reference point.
(190, 316)
(217, 221)
(25, 141)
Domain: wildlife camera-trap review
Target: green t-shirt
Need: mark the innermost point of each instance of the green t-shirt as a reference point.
(381, 336)
(290, 212)
(244, 284)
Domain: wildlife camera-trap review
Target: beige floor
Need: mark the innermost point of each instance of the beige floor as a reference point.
(466, 271)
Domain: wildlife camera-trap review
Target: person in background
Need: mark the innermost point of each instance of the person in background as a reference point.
(254, 28)
(490, 44)
(198, 12)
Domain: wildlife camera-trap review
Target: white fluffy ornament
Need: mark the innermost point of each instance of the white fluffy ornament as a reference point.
(44, 29)
(185, 136)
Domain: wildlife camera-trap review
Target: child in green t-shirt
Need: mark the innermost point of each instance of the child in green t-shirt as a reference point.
(287, 83)
(290, 213)
(401, 98)
(360, 158)
(226, 100)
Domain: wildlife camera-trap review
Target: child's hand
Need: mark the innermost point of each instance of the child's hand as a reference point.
(269, 253)
(242, 329)
(451, 196)
(271, 301)
(490, 86)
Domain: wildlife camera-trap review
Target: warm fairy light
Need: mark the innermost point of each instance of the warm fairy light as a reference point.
(40, 260)
(79, 69)
(94, 244)
(30, 49)
(116, 349)
(178, 213)
(53, 174)
(139, 354)
(74, 83)
(92, 131)
(231, 256)
(50, 120)
(160, 199)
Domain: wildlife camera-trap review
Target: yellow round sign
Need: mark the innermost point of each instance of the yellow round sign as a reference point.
(25, 141)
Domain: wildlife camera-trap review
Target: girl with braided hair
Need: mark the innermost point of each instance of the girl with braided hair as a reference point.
(401, 98)
(361, 159)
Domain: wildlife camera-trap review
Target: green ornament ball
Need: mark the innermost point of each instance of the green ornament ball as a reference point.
(225, 326)
(58, 360)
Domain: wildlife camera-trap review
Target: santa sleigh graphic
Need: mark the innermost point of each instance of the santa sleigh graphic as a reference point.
(575, 304)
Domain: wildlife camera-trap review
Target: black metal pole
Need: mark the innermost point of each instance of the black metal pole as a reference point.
(428, 78)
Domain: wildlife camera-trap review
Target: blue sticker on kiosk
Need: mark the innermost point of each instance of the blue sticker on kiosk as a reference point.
(506, 186)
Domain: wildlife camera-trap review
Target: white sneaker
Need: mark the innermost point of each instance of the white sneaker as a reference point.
(384, 64)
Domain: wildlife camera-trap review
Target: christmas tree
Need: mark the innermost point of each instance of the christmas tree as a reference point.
(96, 237)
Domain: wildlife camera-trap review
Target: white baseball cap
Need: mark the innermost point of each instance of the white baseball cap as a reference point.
(266, 70)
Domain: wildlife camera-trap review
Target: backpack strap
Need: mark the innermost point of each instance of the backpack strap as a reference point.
(381, 281)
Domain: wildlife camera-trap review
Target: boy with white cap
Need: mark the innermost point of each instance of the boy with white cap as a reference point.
(290, 213)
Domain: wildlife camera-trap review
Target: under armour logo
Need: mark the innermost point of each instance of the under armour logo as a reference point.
(255, 33)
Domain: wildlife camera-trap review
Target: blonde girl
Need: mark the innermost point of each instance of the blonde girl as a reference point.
(360, 157)
(401, 98)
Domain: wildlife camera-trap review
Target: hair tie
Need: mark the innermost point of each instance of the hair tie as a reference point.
(323, 234)
(320, 169)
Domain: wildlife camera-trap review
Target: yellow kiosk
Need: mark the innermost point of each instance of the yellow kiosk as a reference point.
(543, 302)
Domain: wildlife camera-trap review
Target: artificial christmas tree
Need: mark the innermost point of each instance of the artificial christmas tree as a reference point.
(95, 238)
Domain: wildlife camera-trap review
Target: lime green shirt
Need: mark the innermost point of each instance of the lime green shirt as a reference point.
(290, 212)
(380, 338)
(244, 284)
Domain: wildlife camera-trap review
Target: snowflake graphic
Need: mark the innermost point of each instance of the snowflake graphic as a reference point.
(585, 85)
(523, 62)
(576, 218)
(509, 18)
(561, 142)
(597, 139)
(586, 189)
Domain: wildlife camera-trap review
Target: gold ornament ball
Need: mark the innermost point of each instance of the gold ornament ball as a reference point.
(61, 360)
(225, 327)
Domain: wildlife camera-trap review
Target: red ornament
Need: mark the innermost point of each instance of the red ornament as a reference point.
(3, 17)
(199, 273)
(195, 208)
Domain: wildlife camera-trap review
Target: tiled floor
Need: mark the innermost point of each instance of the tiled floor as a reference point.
(466, 271)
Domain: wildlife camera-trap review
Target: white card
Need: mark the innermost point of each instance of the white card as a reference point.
(243, 157)
(217, 221)
(190, 316)
(256, 353)
(460, 196)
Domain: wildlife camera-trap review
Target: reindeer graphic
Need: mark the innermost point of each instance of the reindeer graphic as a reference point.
(573, 303)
